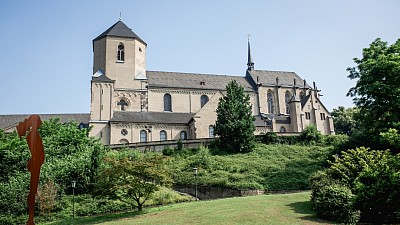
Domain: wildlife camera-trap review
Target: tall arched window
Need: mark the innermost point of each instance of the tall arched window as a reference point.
(167, 103)
(122, 104)
(183, 135)
(211, 131)
(270, 101)
(163, 135)
(143, 136)
(282, 129)
(120, 53)
(301, 95)
(203, 100)
(288, 96)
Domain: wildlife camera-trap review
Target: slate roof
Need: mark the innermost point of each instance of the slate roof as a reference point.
(268, 78)
(258, 122)
(152, 117)
(102, 78)
(304, 100)
(119, 29)
(194, 80)
(7, 121)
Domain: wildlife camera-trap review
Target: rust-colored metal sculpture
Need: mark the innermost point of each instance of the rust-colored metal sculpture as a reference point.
(35, 144)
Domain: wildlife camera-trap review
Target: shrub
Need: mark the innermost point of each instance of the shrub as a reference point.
(336, 140)
(179, 145)
(336, 202)
(369, 182)
(13, 195)
(167, 196)
(271, 138)
(10, 219)
(46, 196)
(352, 162)
(319, 180)
(168, 151)
(378, 191)
(310, 135)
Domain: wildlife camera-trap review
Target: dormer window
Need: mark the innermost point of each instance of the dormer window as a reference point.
(120, 53)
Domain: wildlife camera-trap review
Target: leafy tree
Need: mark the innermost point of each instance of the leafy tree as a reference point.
(234, 123)
(14, 154)
(377, 89)
(133, 181)
(70, 154)
(344, 120)
(392, 136)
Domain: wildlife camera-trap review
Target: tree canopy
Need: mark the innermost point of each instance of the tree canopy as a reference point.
(344, 120)
(234, 123)
(377, 90)
(133, 181)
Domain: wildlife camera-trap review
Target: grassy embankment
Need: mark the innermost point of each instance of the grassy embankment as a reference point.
(268, 167)
(265, 209)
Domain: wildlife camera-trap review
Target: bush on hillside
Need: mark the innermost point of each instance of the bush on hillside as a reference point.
(310, 135)
(378, 191)
(371, 176)
(268, 167)
(335, 202)
(270, 138)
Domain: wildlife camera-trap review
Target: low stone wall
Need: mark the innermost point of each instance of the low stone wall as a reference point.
(204, 192)
(158, 146)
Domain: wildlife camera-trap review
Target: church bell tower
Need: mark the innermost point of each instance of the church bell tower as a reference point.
(120, 55)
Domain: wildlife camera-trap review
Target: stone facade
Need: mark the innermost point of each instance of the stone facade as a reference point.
(130, 104)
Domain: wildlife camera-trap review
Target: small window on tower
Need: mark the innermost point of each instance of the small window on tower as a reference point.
(120, 53)
(140, 49)
(122, 104)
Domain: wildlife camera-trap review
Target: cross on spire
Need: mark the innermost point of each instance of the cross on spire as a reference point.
(120, 16)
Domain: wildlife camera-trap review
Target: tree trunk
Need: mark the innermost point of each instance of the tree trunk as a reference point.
(140, 207)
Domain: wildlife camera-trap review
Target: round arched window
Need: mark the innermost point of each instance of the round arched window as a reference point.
(120, 53)
(122, 104)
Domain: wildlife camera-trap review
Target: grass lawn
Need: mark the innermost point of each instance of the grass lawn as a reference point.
(265, 209)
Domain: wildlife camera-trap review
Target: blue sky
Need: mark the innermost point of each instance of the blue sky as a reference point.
(46, 46)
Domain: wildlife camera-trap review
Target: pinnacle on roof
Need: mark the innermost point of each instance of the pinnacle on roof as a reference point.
(119, 29)
(250, 63)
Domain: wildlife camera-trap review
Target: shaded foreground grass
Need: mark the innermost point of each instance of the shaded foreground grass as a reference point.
(265, 209)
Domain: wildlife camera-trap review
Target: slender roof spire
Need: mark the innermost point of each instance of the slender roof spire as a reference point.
(250, 63)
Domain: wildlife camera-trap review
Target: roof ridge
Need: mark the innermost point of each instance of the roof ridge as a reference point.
(208, 74)
(27, 114)
(277, 71)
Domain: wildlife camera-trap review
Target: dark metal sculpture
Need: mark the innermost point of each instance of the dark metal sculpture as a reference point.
(35, 144)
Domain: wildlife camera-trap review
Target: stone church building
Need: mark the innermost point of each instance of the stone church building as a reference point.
(130, 104)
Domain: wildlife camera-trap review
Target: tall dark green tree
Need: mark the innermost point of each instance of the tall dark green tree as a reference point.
(234, 123)
(377, 90)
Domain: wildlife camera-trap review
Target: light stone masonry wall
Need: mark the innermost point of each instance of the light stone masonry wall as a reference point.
(100, 130)
(152, 130)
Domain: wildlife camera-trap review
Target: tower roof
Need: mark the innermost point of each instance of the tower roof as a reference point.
(119, 29)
